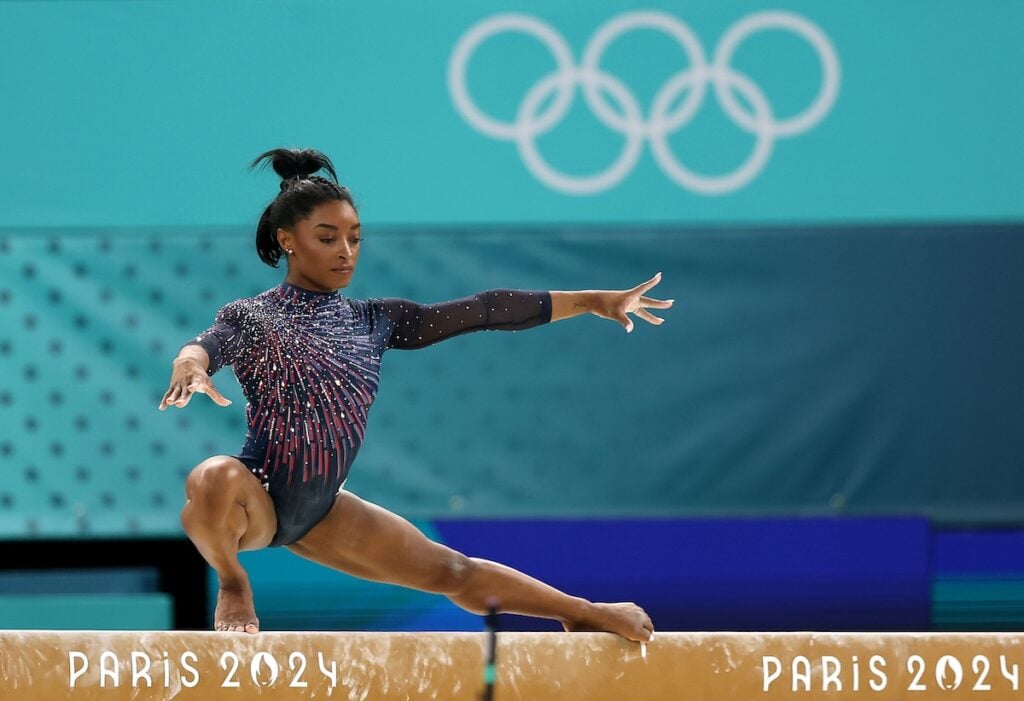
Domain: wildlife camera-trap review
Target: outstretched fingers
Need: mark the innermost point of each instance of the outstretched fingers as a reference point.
(659, 303)
(644, 286)
(217, 397)
(186, 397)
(647, 316)
(210, 391)
(169, 398)
(180, 396)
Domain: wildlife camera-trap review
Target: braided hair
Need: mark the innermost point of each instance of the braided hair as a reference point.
(301, 192)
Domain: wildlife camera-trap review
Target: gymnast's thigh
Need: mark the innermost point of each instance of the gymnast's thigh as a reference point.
(368, 541)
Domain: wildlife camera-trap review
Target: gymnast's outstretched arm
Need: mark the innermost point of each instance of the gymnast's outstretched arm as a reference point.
(419, 325)
(416, 325)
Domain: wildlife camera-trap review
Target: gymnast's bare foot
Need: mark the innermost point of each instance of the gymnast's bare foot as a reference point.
(235, 611)
(625, 619)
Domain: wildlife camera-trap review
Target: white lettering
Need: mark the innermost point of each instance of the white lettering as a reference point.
(299, 659)
(981, 666)
(767, 676)
(76, 673)
(916, 665)
(138, 674)
(167, 671)
(234, 668)
(332, 674)
(830, 676)
(877, 666)
(194, 681)
(801, 672)
(856, 674)
(1012, 674)
(113, 672)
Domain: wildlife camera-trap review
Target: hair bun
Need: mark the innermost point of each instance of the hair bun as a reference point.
(292, 163)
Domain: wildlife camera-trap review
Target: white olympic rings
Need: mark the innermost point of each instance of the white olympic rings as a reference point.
(660, 124)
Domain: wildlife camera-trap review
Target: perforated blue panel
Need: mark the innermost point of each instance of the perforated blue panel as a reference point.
(814, 371)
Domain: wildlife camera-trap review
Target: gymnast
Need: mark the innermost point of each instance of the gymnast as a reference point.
(308, 360)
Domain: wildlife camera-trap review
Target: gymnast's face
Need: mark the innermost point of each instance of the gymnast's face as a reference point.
(325, 245)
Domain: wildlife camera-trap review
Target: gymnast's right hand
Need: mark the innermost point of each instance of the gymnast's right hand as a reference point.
(189, 377)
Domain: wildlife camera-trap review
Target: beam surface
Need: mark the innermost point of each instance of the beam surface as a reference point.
(530, 666)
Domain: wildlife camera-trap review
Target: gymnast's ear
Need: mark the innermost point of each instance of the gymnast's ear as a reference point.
(285, 239)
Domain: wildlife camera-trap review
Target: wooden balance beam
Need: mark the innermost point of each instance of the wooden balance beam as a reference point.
(530, 666)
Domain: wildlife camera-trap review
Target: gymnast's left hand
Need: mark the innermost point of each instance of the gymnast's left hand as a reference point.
(618, 304)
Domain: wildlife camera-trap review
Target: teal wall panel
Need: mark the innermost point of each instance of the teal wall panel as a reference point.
(809, 370)
(146, 113)
(86, 612)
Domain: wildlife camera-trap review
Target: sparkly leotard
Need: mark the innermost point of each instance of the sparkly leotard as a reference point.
(309, 365)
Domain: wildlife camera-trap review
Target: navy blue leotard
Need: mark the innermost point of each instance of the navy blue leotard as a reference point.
(309, 365)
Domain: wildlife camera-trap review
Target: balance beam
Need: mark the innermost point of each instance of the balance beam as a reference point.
(107, 665)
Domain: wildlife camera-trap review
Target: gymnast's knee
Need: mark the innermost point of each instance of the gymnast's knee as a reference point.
(218, 478)
(453, 574)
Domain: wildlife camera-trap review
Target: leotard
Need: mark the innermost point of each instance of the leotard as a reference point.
(309, 366)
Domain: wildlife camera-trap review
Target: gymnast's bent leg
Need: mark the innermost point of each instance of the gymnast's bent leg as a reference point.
(367, 541)
(227, 510)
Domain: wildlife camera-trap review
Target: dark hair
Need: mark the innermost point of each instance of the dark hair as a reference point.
(301, 192)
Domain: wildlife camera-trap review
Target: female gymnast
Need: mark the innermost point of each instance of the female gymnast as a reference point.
(308, 360)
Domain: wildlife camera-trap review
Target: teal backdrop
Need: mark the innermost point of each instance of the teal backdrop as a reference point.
(145, 113)
(845, 338)
(819, 370)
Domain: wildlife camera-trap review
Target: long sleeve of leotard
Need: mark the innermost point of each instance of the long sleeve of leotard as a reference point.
(223, 340)
(418, 325)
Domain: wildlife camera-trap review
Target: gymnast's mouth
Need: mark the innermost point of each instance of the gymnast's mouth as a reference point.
(346, 269)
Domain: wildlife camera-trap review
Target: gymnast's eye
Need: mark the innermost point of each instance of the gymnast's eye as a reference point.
(357, 239)
(327, 240)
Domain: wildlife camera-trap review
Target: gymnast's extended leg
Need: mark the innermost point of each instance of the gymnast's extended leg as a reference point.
(227, 510)
(367, 541)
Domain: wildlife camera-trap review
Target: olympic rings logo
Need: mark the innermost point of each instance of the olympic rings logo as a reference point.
(660, 123)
